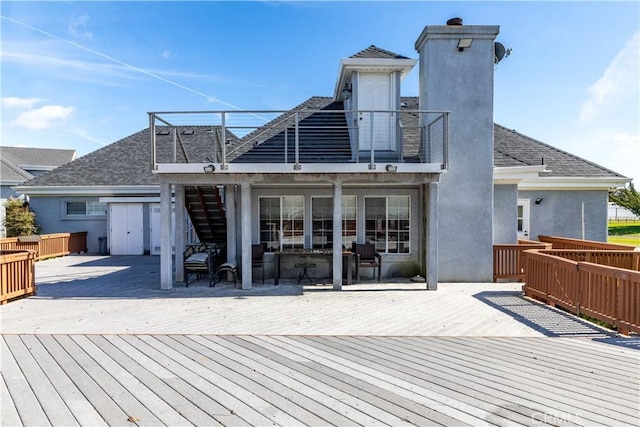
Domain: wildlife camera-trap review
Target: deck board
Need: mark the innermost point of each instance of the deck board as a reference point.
(326, 408)
(24, 399)
(248, 377)
(319, 383)
(80, 407)
(136, 368)
(315, 380)
(101, 343)
(376, 401)
(92, 390)
(443, 386)
(119, 393)
(540, 384)
(9, 414)
(53, 405)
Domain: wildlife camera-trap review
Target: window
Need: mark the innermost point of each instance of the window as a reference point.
(388, 223)
(86, 208)
(322, 217)
(282, 222)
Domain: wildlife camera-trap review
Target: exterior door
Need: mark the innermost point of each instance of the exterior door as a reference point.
(523, 218)
(375, 93)
(126, 234)
(155, 232)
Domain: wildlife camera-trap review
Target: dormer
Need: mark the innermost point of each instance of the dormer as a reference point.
(370, 81)
(371, 64)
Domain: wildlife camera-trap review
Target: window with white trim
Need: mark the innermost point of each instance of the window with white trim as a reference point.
(282, 222)
(388, 223)
(322, 221)
(87, 208)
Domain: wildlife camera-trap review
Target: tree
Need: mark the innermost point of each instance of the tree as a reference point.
(19, 220)
(627, 197)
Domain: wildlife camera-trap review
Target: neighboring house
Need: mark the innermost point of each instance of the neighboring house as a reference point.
(430, 180)
(20, 164)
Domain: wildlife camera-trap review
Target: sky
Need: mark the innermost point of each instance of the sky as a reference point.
(81, 75)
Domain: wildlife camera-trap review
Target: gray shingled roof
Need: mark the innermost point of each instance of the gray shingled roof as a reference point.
(127, 161)
(376, 52)
(37, 156)
(512, 148)
(9, 172)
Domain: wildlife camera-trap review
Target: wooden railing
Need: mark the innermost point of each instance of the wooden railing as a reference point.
(17, 274)
(48, 245)
(508, 262)
(567, 243)
(629, 260)
(609, 294)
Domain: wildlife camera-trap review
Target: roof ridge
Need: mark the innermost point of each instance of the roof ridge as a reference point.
(374, 51)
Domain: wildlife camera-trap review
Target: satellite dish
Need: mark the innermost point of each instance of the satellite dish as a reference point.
(499, 52)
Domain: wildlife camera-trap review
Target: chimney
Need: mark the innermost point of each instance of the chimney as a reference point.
(456, 74)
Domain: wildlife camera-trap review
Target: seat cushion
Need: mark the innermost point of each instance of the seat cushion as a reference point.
(197, 258)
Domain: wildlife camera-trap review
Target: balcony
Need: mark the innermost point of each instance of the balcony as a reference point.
(305, 140)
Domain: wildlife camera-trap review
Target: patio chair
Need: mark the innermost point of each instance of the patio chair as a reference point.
(367, 257)
(257, 258)
(200, 259)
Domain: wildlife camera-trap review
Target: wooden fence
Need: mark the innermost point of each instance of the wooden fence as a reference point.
(508, 262)
(606, 293)
(567, 243)
(17, 274)
(48, 245)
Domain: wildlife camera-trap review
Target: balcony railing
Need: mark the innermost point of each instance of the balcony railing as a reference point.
(305, 136)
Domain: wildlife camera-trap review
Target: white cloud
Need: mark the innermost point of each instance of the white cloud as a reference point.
(78, 27)
(20, 103)
(43, 117)
(166, 54)
(617, 89)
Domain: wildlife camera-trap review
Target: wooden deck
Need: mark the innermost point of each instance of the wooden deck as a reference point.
(99, 345)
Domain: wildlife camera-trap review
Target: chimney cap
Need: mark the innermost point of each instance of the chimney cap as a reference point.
(454, 21)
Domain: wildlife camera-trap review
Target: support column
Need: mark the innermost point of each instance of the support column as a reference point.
(337, 235)
(432, 236)
(245, 211)
(180, 230)
(166, 261)
(230, 209)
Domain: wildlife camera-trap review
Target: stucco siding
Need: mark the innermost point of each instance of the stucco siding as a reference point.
(559, 213)
(505, 220)
(51, 219)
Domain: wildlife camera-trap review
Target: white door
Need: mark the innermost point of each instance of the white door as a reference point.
(375, 92)
(126, 234)
(523, 218)
(155, 232)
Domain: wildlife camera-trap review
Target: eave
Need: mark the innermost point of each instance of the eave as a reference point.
(515, 174)
(88, 190)
(573, 183)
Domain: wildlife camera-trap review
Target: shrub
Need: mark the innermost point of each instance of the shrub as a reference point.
(19, 220)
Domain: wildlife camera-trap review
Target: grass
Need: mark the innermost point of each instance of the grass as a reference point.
(624, 232)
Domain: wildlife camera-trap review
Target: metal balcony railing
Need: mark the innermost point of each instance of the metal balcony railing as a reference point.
(298, 137)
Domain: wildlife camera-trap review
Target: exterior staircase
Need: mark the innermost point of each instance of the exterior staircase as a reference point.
(206, 211)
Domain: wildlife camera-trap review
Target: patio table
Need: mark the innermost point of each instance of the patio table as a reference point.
(347, 258)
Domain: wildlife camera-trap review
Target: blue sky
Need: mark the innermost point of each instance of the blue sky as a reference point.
(84, 74)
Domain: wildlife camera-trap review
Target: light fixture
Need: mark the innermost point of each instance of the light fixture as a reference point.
(391, 168)
(346, 92)
(209, 169)
(539, 200)
(464, 43)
